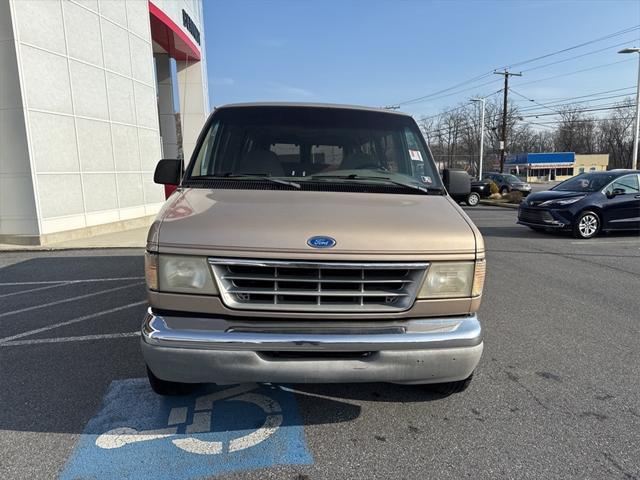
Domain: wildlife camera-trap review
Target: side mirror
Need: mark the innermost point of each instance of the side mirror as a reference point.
(615, 192)
(457, 182)
(168, 172)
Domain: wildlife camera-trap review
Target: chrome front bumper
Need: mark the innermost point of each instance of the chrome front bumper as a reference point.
(202, 350)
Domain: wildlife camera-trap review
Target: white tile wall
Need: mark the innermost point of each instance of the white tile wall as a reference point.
(125, 147)
(121, 99)
(9, 81)
(89, 88)
(138, 17)
(13, 143)
(130, 189)
(95, 146)
(116, 52)
(100, 191)
(114, 10)
(40, 23)
(60, 195)
(83, 33)
(53, 142)
(46, 80)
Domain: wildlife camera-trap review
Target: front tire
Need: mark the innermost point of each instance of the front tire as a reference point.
(449, 388)
(587, 225)
(473, 199)
(166, 388)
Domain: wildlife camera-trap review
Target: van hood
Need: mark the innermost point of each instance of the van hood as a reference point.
(283, 221)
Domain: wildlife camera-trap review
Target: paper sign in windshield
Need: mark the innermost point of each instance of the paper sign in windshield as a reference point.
(415, 155)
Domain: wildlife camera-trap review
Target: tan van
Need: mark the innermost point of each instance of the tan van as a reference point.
(311, 243)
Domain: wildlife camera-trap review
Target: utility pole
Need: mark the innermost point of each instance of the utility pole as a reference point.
(503, 142)
(481, 100)
(636, 130)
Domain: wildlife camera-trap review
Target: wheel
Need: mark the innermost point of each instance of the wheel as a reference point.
(449, 388)
(164, 387)
(473, 199)
(504, 190)
(587, 225)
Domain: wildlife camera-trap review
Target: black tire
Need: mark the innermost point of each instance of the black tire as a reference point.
(473, 199)
(449, 388)
(586, 225)
(166, 388)
(504, 190)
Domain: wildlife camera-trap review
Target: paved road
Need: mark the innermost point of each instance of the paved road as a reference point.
(555, 396)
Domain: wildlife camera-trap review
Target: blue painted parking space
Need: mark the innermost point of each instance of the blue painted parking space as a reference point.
(138, 434)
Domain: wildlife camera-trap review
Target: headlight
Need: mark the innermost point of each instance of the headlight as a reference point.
(453, 280)
(179, 273)
(566, 201)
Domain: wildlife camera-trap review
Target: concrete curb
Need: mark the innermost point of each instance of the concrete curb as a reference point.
(498, 204)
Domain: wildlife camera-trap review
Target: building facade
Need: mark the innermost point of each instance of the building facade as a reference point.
(90, 91)
(554, 165)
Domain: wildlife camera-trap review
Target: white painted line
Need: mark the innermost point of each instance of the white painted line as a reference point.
(66, 300)
(70, 322)
(200, 447)
(40, 282)
(205, 402)
(119, 437)
(4, 295)
(271, 424)
(81, 338)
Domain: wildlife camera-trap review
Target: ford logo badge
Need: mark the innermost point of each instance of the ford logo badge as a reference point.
(321, 242)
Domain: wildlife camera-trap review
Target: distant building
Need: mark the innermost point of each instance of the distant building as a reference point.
(554, 165)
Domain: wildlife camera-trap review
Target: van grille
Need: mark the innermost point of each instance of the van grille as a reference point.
(317, 287)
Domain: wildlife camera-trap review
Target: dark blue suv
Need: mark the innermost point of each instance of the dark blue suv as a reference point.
(586, 204)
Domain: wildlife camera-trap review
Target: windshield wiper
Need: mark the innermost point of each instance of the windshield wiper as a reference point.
(254, 176)
(413, 186)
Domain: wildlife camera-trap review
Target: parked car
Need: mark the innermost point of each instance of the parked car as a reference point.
(508, 183)
(586, 204)
(479, 189)
(472, 191)
(303, 246)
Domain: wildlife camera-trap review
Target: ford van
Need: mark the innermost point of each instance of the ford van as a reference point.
(311, 244)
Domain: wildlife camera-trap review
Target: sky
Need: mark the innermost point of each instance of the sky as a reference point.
(384, 52)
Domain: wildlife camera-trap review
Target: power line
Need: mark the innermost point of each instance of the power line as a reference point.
(488, 74)
(575, 71)
(574, 47)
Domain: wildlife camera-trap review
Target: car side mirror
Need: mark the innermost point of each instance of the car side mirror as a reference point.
(615, 192)
(168, 172)
(457, 182)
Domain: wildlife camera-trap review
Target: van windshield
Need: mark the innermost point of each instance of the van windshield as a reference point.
(314, 144)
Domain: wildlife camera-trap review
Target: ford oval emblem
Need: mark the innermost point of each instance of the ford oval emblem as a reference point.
(321, 242)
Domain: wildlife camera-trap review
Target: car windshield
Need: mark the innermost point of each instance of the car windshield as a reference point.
(512, 179)
(314, 144)
(586, 182)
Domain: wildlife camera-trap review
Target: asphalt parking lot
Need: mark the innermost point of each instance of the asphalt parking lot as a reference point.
(556, 394)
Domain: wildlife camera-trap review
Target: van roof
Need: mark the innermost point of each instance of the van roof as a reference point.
(312, 105)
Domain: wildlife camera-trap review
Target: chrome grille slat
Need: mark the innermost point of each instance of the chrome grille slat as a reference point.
(317, 286)
(314, 280)
(320, 293)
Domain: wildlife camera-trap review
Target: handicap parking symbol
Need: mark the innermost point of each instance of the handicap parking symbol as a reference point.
(138, 434)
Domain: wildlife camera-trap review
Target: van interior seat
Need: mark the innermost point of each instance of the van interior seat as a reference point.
(262, 162)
